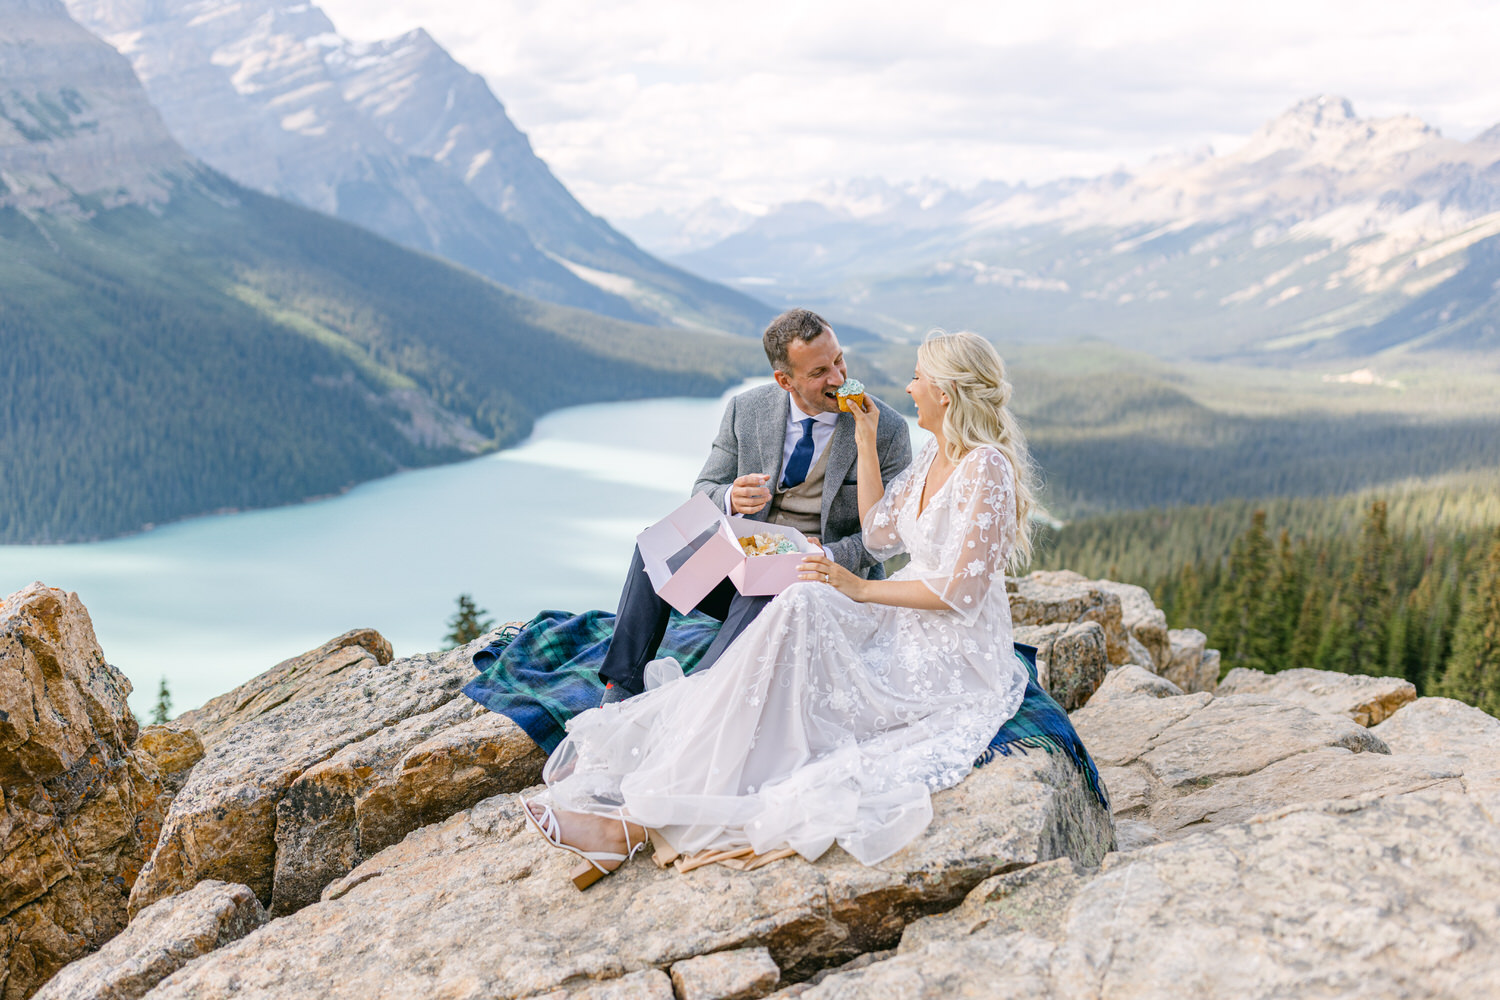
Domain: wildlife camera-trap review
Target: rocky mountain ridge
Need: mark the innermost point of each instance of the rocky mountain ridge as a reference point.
(177, 344)
(1322, 225)
(73, 132)
(1302, 834)
(397, 137)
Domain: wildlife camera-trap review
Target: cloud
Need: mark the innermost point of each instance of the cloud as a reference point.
(638, 105)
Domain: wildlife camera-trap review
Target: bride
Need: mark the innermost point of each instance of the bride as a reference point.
(847, 702)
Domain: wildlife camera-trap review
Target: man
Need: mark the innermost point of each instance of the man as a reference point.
(792, 435)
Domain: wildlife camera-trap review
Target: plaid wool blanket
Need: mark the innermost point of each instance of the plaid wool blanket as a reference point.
(546, 671)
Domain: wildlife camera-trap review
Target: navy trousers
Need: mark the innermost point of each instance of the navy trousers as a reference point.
(641, 622)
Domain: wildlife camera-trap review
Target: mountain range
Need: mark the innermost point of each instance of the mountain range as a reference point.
(173, 343)
(1325, 234)
(397, 137)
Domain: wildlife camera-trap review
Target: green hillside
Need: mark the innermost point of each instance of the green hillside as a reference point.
(228, 350)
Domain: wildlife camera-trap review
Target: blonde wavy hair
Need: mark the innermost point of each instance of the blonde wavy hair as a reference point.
(969, 370)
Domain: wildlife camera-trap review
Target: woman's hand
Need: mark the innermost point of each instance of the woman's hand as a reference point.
(866, 421)
(822, 569)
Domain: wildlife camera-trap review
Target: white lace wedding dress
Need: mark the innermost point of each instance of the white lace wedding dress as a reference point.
(827, 719)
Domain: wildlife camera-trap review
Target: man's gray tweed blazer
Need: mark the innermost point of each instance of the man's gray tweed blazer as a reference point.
(752, 439)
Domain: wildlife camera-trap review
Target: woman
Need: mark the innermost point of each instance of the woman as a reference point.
(847, 702)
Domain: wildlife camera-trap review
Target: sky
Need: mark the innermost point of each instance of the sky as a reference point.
(645, 104)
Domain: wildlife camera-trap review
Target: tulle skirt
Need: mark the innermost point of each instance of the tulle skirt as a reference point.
(827, 721)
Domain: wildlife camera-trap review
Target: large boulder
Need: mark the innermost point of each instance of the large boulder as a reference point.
(1062, 597)
(265, 738)
(1380, 898)
(1366, 700)
(479, 906)
(80, 808)
(1071, 659)
(1191, 665)
(1143, 622)
(375, 791)
(310, 674)
(160, 940)
(1131, 681)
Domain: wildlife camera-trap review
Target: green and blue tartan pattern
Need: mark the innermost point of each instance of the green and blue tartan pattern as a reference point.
(543, 673)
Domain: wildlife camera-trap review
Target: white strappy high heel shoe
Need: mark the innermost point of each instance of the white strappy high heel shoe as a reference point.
(593, 869)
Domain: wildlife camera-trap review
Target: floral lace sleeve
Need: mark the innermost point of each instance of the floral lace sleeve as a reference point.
(981, 529)
(879, 527)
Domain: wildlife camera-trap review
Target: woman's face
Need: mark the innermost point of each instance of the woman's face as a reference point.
(932, 402)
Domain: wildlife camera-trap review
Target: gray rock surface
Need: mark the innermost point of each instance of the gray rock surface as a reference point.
(1372, 898)
(647, 984)
(223, 824)
(479, 902)
(1182, 763)
(1063, 597)
(1143, 621)
(1071, 659)
(160, 940)
(1131, 681)
(1191, 665)
(1366, 700)
(79, 809)
(1441, 726)
(1460, 734)
(372, 793)
(742, 974)
(306, 675)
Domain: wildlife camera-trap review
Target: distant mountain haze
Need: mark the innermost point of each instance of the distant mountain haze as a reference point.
(399, 138)
(172, 343)
(1322, 228)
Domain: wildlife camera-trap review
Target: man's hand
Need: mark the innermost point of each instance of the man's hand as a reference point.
(749, 493)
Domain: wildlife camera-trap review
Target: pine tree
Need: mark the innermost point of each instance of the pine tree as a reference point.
(1240, 607)
(467, 624)
(1187, 599)
(162, 710)
(1371, 598)
(1277, 612)
(1303, 651)
(1473, 672)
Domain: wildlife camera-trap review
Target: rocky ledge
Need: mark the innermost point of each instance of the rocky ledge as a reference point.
(344, 834)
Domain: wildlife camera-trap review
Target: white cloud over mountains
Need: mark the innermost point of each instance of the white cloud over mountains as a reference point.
(640, 105)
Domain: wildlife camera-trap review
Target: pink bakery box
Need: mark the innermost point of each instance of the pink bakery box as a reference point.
(767, 575)
(688, 552)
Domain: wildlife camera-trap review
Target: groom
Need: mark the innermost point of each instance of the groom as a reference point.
(784, 454)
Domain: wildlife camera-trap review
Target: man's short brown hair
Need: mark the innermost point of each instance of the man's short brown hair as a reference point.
(794, 324)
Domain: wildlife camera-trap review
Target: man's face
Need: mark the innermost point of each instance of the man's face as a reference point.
(817, 370)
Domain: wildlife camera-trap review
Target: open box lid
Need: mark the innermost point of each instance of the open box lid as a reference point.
(688, 552)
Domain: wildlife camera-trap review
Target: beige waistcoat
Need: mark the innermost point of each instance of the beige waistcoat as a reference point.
(801, 507)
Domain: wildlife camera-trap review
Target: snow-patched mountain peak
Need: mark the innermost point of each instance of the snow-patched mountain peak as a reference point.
(1326, 131)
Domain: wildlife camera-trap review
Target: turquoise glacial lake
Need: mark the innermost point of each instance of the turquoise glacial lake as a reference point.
(211, 602)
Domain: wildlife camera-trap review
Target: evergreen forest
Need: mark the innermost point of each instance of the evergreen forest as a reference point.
(1399, 581)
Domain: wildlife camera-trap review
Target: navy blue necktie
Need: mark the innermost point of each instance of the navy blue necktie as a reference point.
(797, 465)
